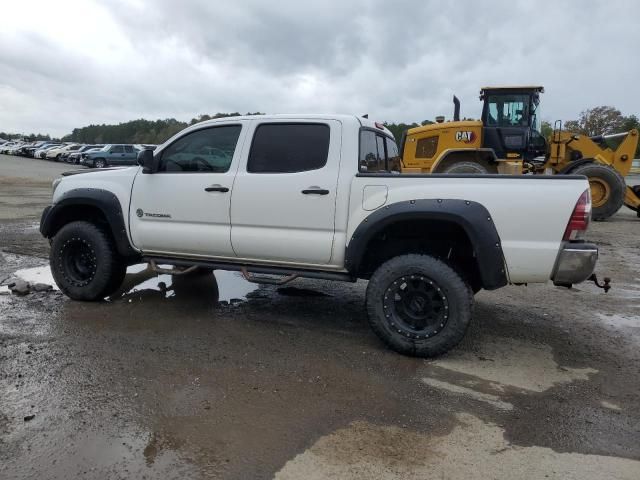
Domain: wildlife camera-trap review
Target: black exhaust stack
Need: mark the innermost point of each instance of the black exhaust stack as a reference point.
(456, 109)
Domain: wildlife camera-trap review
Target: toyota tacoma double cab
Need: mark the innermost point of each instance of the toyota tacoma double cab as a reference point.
(319, 196)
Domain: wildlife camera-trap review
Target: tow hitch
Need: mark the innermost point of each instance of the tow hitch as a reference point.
(605, 285)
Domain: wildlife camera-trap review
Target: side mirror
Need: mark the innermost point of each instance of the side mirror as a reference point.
(145, 160)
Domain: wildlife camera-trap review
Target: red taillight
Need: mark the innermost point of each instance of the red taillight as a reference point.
(580, 218)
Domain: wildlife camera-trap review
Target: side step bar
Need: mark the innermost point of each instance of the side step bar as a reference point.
(246, 270)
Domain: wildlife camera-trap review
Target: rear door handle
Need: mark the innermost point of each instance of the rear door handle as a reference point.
(315, 191)
(216, 188)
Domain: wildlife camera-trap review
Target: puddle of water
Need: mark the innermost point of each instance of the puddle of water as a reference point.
(130, 455)
(473, 449)
(230, 285)
(36, 275)
(233, 285)
(622, 292)
(617, 320)
(517, 363)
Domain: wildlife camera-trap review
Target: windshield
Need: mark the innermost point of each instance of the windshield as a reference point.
(508, 110)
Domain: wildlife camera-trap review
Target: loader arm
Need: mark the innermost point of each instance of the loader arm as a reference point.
(566, 148)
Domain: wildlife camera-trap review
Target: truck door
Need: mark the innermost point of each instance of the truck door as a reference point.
(284, 199)
(116, 154)
(130, 155)
(183, 207)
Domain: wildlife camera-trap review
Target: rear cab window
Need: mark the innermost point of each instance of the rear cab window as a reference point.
(289, 147)
(378, 153)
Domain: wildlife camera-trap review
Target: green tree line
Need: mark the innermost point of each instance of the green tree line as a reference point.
(138, 131)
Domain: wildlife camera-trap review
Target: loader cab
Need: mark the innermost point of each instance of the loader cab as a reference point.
(511, 122)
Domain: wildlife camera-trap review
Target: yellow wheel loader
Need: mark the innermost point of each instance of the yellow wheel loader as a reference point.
(507, 140)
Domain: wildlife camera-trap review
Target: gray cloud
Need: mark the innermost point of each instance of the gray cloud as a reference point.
(398, 61)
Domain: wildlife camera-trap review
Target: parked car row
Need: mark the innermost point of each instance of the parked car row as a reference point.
(93, 156)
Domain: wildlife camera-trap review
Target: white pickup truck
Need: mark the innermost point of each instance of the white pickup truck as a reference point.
(317, 196)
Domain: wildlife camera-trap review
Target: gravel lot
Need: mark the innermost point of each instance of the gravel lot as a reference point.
(206, 380)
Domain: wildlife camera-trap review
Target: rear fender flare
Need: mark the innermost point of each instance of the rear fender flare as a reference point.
(471, 216)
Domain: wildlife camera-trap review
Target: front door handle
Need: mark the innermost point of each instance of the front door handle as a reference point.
(315, 191)
(216, 188)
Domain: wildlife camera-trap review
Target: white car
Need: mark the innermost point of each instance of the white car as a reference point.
(41, 152)
(14, 148)
(57, 153)
(314, 196)
(7, 146)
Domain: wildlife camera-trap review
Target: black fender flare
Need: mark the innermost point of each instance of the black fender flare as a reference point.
(53, 216)
(471, 216)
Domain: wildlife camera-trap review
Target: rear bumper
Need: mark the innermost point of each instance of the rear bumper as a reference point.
(575, 263)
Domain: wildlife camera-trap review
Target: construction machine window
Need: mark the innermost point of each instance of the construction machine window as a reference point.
(378, 153)
(427, 147)
(508, 110)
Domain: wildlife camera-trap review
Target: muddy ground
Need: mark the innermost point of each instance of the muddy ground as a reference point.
(196, 380)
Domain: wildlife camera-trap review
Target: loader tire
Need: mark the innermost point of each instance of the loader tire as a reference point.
(607, 189)
(636, 190)
(466, 167)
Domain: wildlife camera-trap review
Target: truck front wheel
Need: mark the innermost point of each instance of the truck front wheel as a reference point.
(418, 305)
(84, 262)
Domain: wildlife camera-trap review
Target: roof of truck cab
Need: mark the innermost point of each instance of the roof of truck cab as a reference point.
(346, 118)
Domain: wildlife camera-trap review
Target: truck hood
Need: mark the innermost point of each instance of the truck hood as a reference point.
(117, 180)
(79, 172)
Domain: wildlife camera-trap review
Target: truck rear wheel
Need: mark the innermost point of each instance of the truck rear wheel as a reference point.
(418, 305)
(85, 263)
(607, 189)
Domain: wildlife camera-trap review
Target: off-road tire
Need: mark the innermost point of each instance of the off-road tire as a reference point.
(99, 163)
(636, 191)
(85, 263)
(469, 167)
(614, 182)
(449, 291)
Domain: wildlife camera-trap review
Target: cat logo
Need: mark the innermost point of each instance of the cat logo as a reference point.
(466, 137)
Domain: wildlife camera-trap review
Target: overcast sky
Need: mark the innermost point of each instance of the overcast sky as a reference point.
(66, 64)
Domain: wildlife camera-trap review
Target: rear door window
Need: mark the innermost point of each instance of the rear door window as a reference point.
(289, 148)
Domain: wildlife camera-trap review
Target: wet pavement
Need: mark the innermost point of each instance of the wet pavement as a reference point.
(213, 377)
